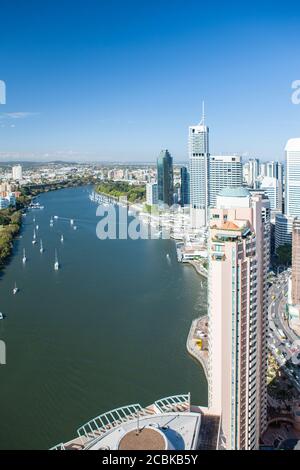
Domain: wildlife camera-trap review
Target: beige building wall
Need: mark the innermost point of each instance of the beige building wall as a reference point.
(238, 265)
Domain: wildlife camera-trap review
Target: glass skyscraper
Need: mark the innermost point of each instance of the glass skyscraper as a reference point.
(165, 186)
(184, 186)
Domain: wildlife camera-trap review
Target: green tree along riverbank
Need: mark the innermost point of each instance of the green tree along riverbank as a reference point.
(134, 193)
(10, 223)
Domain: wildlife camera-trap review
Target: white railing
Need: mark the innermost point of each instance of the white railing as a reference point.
(98, 426)
(174, 403)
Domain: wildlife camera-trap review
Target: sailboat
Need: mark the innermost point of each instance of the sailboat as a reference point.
(56, 263)
(24, 256)
(15, 289)
(34, 237)
(62, 238)
(41, 246)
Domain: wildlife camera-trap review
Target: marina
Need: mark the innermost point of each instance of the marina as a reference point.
(61, 332)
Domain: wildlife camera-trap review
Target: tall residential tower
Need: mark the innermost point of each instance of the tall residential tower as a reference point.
(237, 297)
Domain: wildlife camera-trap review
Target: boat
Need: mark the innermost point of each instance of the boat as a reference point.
(35, 205)
(62, 238)
(15, 289)
(1, 316)
(51, 222)
(56, 263)
(33, 219)
(37, 227)
(75, 227)
(56, 217)
(167, 256)
(71, 221)
(24, 259)
(34, 237)
(41, 247)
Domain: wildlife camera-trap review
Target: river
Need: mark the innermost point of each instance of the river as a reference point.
(107, 329)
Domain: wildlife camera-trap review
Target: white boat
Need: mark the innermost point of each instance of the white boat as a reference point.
(56, 217)
(72, 221)
(167, 256)
(37, 227)
(1, 316)
(24, 259)
(51, 222)
(33, 219)
(41, 247)
(62, 238)
(75, 227)
(56, 263)
(15, 289)
(34, 237)
(35, 205)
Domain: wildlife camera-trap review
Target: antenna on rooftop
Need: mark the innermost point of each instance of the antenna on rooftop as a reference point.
(203, 114)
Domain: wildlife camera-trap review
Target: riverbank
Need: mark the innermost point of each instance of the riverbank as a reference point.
(117, 189)
(10, 224)
(11, 218)
(197, 342)
(82, 348)
(199, 268)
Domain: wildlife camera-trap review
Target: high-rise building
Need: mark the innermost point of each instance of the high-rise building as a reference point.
(184, 186)
(224, 171)
(199, 172)
(283, 230)
(292, 187)
(239, 238)
(151, 194)
(246, 170)
(296, 263)
(17, 172)
(165, 187)
(272, 169)
(263, 169)
(253, 173)
(270, 185)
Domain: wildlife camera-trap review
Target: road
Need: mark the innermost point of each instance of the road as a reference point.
(281, 339)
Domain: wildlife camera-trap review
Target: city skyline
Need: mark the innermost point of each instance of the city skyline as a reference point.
(107, 84)
(150, 228)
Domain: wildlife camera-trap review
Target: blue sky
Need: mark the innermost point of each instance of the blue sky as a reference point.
(119, 80)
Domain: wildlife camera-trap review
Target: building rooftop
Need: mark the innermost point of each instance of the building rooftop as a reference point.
(168, 424)
(293, 145)
(145, 438)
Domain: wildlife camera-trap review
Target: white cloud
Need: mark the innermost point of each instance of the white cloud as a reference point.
(17, 115)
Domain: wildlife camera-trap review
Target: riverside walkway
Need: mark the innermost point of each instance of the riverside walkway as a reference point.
(198, 331)
(199, 268)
